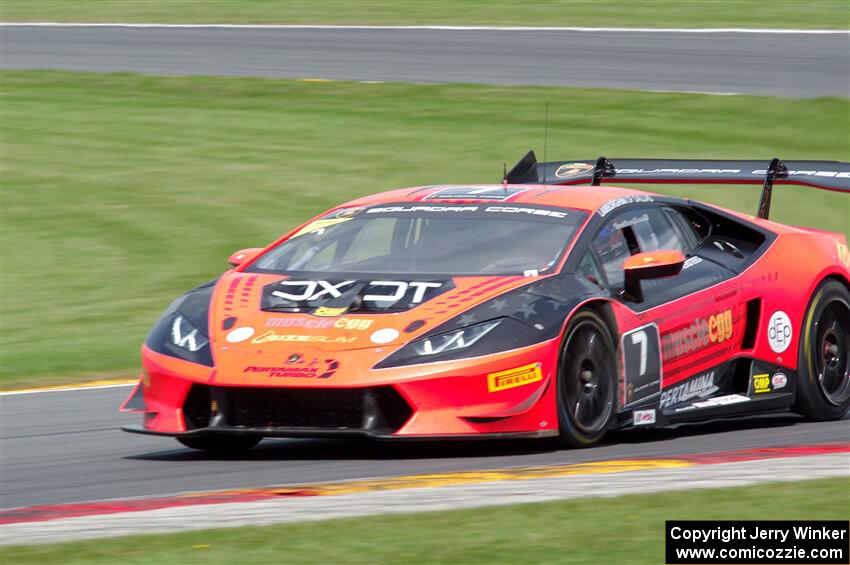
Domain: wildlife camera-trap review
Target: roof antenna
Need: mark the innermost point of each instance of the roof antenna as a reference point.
(505, 177)
(545, 140)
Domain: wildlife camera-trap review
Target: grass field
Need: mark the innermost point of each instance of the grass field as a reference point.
(649, 13)
(121, 191)
(626, 529)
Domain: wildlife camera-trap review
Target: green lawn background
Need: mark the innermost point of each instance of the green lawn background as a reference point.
(120, 191)
(826, 14)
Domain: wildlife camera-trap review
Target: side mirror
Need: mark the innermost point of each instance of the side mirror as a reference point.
(650, 265)
(243, 255)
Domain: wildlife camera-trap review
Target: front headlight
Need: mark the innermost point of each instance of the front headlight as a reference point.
(484, 338)
(453, 341)
(182, 330)
(187, 336)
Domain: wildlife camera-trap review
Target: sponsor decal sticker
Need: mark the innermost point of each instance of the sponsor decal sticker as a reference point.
(240, 334)
(273, 336)
(779, 380)
(378, 291)
(329, 312)
(523, 210)
(779, 331)
(721, 401)
(572, 169)
(700, 386)
(702, 332)
(498, 193)
(526, 211)
(353, 324)
(311, 323)
(513, 378)
(691, 261)
(643, 417)
(319, 225)
(385, 335)
(761, 383)
(606, 208)
(314, 369)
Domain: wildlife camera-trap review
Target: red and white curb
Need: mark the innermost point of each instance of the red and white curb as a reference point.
(194, 511)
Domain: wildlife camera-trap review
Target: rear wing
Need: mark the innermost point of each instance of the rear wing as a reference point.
(827, 175)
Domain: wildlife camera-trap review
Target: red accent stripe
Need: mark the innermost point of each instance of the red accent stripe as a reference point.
(766, 453)
(61, 511)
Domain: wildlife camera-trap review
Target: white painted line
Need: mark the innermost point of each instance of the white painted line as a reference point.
(706, 92)
(429, 499)
(437, 28)
(62, 389)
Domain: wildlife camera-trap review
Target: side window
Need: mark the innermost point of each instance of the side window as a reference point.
(654, 230)
(587, 269)
(612, 249)
(635, 231)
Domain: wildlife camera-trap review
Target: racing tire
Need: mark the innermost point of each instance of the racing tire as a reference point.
(586, 383)
(235, 444)
(823, 362)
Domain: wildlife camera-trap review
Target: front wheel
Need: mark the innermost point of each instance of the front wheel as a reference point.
(221, 444)
(587, 374)
(823, 389)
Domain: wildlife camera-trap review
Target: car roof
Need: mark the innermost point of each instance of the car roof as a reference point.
(581, 197)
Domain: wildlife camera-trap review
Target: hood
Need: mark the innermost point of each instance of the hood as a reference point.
(265, 325)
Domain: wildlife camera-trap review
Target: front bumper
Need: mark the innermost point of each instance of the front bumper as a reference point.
(450, 400)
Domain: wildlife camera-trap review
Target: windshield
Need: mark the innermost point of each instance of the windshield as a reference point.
(417, 239)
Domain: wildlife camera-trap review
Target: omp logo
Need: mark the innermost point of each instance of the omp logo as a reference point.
(702, 332)
(761, 383)
(272, 336)
(309, 291)
(512, 378)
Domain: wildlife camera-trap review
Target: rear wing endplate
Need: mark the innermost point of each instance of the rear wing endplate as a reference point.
(826, 175)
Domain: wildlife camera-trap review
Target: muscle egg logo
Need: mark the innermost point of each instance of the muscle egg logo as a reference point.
(572, 169)
(702, 332)
(512, 378)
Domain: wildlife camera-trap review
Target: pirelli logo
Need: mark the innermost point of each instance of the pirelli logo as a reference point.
(512, 378)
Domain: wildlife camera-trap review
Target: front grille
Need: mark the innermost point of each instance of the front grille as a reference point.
(375, 409)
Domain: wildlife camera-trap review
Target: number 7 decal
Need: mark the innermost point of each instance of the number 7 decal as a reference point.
(641, 355)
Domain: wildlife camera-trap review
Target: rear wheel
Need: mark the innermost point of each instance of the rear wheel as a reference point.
(221, 444)
(823, 389)
(587, 374)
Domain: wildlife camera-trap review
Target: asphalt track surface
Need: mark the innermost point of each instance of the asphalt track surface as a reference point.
(63, 447)
(790, 65)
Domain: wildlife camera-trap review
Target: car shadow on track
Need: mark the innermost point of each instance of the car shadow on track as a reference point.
(686, 438)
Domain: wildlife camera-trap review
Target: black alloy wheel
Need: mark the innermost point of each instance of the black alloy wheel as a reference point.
(586, 381)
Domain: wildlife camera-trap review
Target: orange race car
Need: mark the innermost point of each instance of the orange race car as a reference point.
(548, 305)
